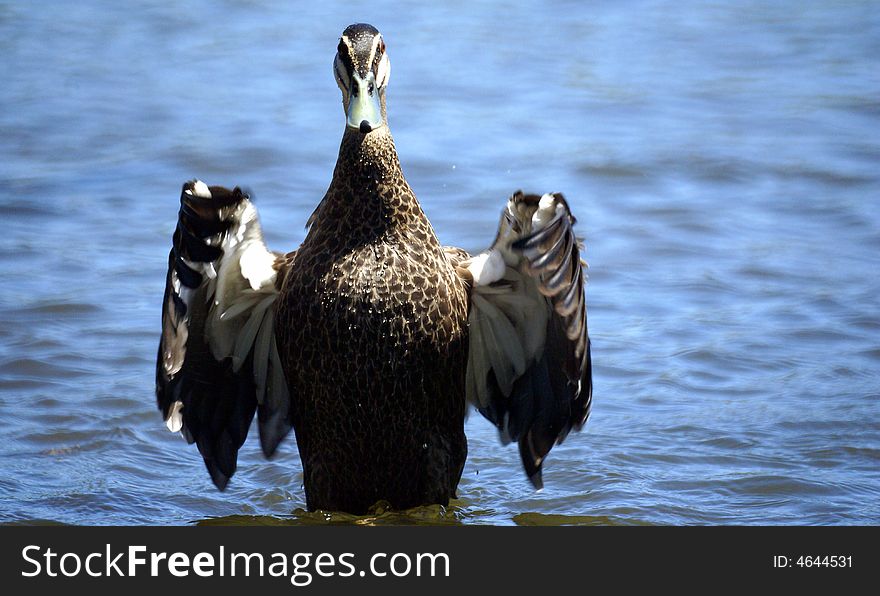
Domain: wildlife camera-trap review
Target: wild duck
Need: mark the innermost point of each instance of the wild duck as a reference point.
(372, 338)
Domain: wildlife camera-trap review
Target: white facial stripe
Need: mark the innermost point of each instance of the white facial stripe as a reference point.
(341, 67)
(383, 72)
(341, 74)
(347, 43)
(376, 41)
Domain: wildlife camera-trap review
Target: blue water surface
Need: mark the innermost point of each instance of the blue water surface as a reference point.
(722, 159)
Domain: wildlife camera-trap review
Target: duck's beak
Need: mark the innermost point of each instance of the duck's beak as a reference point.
(364, 108)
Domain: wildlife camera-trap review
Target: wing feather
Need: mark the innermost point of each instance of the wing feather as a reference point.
(217, 362)
(529, 363)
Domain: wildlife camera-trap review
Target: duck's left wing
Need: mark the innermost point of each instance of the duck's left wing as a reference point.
(218, 363)
(529, 369)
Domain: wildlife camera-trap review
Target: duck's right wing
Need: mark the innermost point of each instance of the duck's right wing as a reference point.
(217, 361)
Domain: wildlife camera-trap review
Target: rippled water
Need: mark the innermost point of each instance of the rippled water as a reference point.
(722, 159)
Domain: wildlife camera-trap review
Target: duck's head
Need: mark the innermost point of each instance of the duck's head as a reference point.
(362, 71)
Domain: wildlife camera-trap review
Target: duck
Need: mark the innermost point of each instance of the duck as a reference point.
(372, 340)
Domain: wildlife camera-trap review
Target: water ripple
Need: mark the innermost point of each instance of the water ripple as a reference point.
(724, 192)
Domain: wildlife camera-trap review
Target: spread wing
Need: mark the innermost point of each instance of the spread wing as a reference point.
(217, 361)
(529, 369)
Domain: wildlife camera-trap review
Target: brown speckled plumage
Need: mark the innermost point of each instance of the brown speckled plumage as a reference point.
(372, 325)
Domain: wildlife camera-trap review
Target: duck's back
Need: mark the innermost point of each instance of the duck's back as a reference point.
(372, 330)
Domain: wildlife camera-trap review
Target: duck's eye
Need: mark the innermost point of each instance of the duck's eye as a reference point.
(355, 89)
(341, 48)
(370, 88)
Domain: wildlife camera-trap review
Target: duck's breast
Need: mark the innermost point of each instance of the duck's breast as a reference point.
(374, 347)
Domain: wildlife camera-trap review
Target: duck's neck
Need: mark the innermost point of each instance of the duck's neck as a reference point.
(369, 193)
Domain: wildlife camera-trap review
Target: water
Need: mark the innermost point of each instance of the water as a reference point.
(722, 159)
